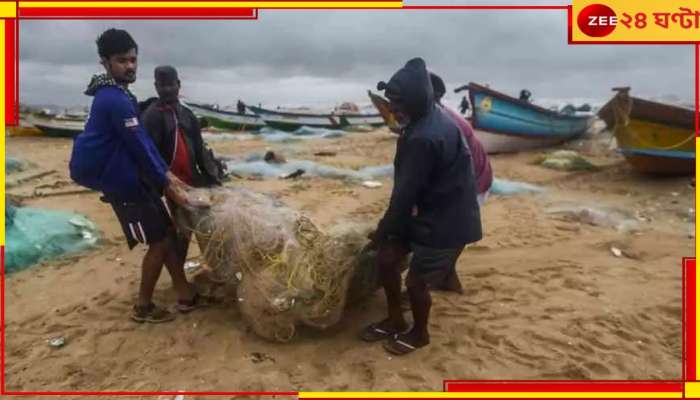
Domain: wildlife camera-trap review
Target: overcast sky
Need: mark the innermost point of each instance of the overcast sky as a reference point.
(322, 57)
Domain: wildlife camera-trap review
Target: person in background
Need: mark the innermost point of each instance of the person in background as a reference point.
(464, 105)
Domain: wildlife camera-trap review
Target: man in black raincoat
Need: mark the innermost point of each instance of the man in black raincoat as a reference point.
(433, 211)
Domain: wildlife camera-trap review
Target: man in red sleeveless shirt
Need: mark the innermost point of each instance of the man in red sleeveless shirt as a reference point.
(176, 132)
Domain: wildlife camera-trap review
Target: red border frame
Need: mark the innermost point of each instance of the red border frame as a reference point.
(689, 271)
(689, 323)
(11, 68)
(697, 89)
(139, 13)
(611, 386)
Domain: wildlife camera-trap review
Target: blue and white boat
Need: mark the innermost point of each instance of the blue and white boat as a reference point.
(506, 124)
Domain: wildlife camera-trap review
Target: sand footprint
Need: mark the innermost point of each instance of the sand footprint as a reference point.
(366, 371)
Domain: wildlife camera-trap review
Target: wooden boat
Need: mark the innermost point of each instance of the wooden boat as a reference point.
(59, 126)
(23, 128)
(655, 138)
(375, 120)
(226, 119)
(505, 124)
(290, 121)
(382, 105)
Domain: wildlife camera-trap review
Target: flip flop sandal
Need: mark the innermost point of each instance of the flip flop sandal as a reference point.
(398, 347)
(151, 314)
(373, 333)
(198, 301)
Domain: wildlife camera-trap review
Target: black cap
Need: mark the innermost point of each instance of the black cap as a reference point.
(165, 73)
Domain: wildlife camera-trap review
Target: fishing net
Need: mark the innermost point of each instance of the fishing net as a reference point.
(505, 187)
(35, 235)
(565, 160)
(287, 271)
(13, 164)
(254, 166)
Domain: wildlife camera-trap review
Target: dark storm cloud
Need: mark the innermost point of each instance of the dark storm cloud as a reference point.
(330, 56)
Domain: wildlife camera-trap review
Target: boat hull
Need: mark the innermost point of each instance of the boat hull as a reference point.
(59, 128)
(53, 131)
(652, 148)
(371, 120)
(226, 120)
(292, 121)
(232, 126)
(522, 125)
(289, 123)
(654, 138)
(382, 105)
(660, 164)
(494, 142)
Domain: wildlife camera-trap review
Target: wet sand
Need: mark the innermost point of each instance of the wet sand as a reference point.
(545, 296)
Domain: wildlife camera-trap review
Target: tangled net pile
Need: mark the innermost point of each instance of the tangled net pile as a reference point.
(287, 271)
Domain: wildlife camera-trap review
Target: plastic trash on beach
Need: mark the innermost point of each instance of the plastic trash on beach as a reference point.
(505, 187)
(565, 160)
(35, 235)
(57, 342)
(285, 270)
(616, 252)
(598, 217)
(372, 184)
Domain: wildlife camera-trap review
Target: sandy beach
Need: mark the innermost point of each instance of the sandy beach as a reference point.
(545, 298)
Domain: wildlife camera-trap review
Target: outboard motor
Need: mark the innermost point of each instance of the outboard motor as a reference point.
(525, 95)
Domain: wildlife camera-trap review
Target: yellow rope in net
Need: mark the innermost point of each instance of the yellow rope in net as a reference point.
(290, 271)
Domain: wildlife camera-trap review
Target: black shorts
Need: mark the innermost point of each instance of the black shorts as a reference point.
(432, 266)
(145, 222)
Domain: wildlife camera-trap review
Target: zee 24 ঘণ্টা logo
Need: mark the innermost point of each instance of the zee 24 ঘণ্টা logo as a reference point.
(599, 20)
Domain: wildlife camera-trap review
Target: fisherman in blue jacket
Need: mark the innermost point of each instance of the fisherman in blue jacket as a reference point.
(433, 212)
(115, 155)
